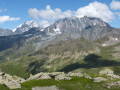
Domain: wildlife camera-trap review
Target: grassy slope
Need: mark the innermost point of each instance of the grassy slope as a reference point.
(17, 67)
(75, 84)
(35, 61)
(15, 49)
(20, 66)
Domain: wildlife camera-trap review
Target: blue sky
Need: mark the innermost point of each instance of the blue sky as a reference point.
(15, 12)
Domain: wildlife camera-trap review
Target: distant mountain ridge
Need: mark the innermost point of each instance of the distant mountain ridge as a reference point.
(20, 29)
(5, 32)
(29, 34)
(64, 44)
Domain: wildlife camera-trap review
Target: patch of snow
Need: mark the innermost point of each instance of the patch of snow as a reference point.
(42, 30)
(72, 24)
(115, 39)
(104, 45)
(57, 30)
(94, 23)
(28, 35)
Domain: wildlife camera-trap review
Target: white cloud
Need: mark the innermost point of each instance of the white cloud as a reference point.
(44, 23)
(7, 18)
(33, 12)
(115, 5)
(49, 13)
(96, 9)
(47, 16)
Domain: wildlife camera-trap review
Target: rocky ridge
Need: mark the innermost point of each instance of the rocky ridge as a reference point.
(14, 82)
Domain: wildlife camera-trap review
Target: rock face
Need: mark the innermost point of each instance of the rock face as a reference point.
(56, 75)
(13, 82)
(99, 79)
(25, 27)
(46, 88)
(106, 71)
(6, 32)
(78, 27)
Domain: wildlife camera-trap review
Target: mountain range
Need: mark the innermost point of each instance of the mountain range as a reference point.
(69, 44)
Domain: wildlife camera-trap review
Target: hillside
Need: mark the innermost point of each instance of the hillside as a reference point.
(85, 45)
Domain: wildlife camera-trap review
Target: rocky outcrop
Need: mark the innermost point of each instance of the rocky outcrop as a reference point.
(109, 73)
(56, 75)
(46, 88)
(13, 82)
(62, 77)
(113, 76)
(75, 74)
(109, 85)
(99, 79)
(40, 76)
(87, 76)
(106, 72)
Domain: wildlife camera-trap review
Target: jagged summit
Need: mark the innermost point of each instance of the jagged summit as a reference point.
(75, 24)
(70, 24)
(25, 26)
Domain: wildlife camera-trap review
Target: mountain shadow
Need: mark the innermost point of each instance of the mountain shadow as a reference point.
(91, 61)
(37, 66)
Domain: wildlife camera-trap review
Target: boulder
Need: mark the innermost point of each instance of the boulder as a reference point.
(113, 76)
(106, 71)
(11, 85)
(46, 88)
(40, 76)
(36, 76)
(75, 74)
(87, 77)
(109, 85)
(67, 78)
(45, 76)
(62, 77)
(99, 79)
(53, 74)
(109, 73)
(13, 82)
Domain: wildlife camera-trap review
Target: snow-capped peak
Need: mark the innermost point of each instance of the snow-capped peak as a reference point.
(25, 26)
